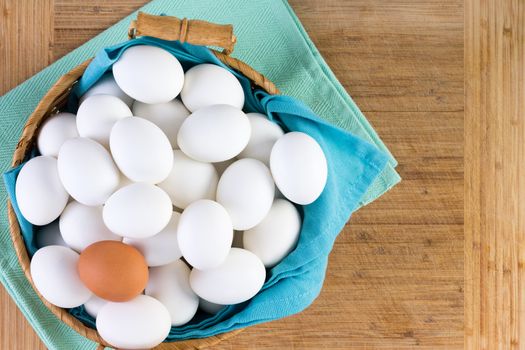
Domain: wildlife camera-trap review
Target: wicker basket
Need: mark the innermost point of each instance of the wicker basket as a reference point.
(163, 27)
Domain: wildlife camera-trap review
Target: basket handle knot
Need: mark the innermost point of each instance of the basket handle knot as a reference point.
(183, 30)
(192, 31)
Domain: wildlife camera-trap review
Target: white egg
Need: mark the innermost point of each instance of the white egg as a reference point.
(107, 86)
(97, 115)
(299, 167)
(170, 284)
(167, 116)
(138, 210)
(82, 225)
(93, 305)
(40, 195)
(141, 150)
(205, 234)
(246, 191)
(189, 180)
(54, 273)
(276, 236)
(237, 239)
(208, 84)
(214, 133)
(87, 171)
(237, 279)
(48, 235)
(264, 135)
(149, 74)
(210, 308)
(221, 166)
(162, 248)
(141, 323)
(55, 131)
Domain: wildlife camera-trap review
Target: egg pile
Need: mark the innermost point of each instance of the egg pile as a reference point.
(161, 196)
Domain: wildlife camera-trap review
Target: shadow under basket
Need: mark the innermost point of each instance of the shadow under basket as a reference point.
(162, 27)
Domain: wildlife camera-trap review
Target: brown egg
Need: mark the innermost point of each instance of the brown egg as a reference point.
(113, 270)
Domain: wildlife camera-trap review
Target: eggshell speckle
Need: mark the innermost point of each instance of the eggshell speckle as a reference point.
(149, 74)
(237, 279)
(246, 191)
(170, 284)
(55, 131)
(40, 195)
(138, 210)
(113, 271)
(208, 84)
(214, 133)
(205, 234)
(87, 171)
(141, 150)
(54, 273)
(299, 167)
(141, 323)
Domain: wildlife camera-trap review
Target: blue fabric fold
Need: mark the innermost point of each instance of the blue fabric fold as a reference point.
(293, 284)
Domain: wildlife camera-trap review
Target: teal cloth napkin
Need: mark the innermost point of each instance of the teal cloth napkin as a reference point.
(270, 38)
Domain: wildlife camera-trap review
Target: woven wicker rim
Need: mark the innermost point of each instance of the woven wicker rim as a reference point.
(55, 99)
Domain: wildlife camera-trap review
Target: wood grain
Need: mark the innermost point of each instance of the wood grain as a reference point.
(494, 186)
(395, 278)
(26, 32)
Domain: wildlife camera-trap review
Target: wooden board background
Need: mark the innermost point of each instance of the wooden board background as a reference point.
(397, 277)
(494, 181)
